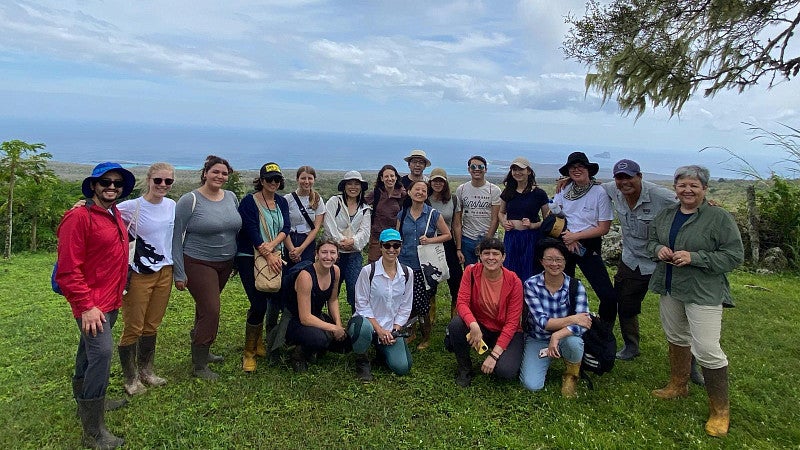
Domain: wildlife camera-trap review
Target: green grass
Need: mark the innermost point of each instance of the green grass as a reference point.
(328, 408)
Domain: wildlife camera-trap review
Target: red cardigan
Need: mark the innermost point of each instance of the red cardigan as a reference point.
(92, 258)
(509, 312)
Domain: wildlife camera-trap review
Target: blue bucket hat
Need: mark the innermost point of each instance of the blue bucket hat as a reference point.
(390, 234)
(100, 170)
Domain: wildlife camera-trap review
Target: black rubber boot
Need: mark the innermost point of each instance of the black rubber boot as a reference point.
(363, 370)
(212, 358)
(464, 373)
(299, 360)
(127, 359)
(629, 326)
(95, 434)
(110, 404)
(200, 363)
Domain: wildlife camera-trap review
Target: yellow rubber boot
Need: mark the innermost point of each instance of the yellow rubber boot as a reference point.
(680, 360)
(569, 381)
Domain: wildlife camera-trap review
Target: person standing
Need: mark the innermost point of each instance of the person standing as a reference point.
(637, 203)
(478, 211)
(151, 218)
(347, 222)
(306, 213)
(265, 226)
(203, 249)
(386, 200)
(587, 208)
(695, 245)
(446, 203)
(417, 163)
(92, 273)
(520, 204)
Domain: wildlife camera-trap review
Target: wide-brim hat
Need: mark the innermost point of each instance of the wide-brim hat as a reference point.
(353, 175)
(579, 157)
(553, 225)
(418, 154)
(100, 170)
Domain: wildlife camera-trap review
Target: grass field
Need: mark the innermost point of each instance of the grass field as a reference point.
(327, 408)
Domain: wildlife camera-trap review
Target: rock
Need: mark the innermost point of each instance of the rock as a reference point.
(774, 260)
(612, 246)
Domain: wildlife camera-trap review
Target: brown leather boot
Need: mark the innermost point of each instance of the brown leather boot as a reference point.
(261, 349)
(680, 360)
(250, 336)
(719, 408)
(426, 327)
(569, 381)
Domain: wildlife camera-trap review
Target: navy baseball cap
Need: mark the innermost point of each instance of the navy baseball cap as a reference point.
(626, 166)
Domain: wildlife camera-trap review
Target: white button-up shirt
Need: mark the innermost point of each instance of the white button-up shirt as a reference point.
(387, 300)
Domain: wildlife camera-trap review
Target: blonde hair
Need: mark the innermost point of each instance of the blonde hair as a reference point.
(155, 167)
(313, 197)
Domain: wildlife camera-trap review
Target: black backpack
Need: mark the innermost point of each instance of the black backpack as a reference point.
(599, 343)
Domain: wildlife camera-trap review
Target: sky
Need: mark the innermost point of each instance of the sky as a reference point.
(489, 70)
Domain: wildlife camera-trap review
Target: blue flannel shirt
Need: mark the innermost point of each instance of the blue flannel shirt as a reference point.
(542, 306)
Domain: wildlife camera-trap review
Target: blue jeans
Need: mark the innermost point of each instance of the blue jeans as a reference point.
(361, 333)
(534, 369)
(93, 359)
(468, 247)
(350, 266)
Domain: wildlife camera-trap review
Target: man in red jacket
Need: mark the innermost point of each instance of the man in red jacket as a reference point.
(92, 273)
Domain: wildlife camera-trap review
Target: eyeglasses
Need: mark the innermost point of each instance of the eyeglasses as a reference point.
(550, 260)
(105, 182)
(167, 181)
(390, 245)
(416, 161)
(477, 167)
(273, 179)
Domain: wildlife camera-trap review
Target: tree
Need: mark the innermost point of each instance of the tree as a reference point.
(16, 162)
(662, 51)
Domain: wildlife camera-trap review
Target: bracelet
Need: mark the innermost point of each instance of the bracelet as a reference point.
(458, 249)
(493, 356)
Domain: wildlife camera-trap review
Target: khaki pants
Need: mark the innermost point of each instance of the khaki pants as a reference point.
(145, 303)
(695, 326)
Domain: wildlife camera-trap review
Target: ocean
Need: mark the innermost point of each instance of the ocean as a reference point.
(187, 146)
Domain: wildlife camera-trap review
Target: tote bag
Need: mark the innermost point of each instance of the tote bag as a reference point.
(432, 260)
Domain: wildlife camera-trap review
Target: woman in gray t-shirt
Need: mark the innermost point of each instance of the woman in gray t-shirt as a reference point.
(203, 248)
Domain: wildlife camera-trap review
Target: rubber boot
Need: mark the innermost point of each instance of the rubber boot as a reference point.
(95, 434)
(251, 333)
(697, 375)
(719, 408)
(363, 370)
(200, 363)
(680, 360)
(629, 326)
(425, 326)
(127, 358)
(569, 380)
(299, 360)
(464, 373)
(212, 358)
(432, 312)
(110, 403)
(147, 353)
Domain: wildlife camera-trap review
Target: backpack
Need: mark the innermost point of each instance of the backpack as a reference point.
(372, 272)
(599, 344)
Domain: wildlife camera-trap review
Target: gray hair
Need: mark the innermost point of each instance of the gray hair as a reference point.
(696, 172)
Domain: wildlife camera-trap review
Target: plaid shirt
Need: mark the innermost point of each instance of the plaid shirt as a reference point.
(543, 306)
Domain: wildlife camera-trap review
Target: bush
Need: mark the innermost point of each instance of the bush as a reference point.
(779, 208)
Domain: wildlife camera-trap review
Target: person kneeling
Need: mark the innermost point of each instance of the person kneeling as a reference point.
(310, 330)
(553, 332)
(384, 294)
(489, 307)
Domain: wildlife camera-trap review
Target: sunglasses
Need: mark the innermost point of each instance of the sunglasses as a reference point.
(477, 166)
(273, 179)
(167, 181)
(105, 182)
(389, 245)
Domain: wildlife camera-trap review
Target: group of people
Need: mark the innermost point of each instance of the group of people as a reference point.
(515, 301)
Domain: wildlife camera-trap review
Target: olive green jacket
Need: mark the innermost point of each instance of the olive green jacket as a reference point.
(713, 240)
